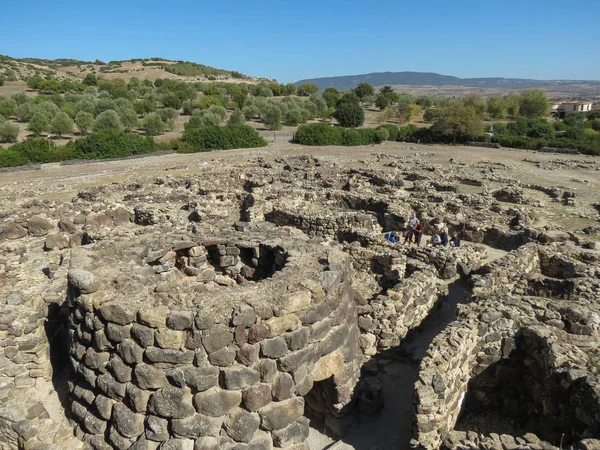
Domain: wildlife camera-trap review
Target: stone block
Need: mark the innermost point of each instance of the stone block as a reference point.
(118, 312)
(171, 403)
(137, 398)
(243, 315)
(283, 387)
(224, 357)
(143, 335)
(274, 348)
(169, 356)
(196, 426)
(149, 377)
(157, 429)
(297, 339)
(180, 320)
(258, 332)
(130, 352)
(200, 379)
(292, 434)
(127, 423)
(153, 317)
(168, 339)
(216, 402)
(218, 337)
(278, 415)
(279, 325)
(248, 354)
(257, 396)
(241, 425)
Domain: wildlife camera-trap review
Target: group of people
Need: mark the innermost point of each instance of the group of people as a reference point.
(414, 230)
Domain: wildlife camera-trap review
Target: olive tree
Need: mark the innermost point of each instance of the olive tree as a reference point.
(108, 120)
(84, 121)
(62, 124)
(153, 124)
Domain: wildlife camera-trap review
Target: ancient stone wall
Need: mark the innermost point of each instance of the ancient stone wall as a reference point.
(148, 373)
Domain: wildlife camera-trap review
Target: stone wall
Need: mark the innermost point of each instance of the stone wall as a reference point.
(467, 346)
(214, 376)
(326, 225)
(507, 341)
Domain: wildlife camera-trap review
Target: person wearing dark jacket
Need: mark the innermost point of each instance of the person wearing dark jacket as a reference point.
(444, 237)
(454, 240)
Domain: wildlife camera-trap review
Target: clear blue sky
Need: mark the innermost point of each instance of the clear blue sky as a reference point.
(292, 39)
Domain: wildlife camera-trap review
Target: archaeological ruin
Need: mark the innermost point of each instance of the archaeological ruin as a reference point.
(230, 303)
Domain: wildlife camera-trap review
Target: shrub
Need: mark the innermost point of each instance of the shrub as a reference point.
(522, 142)
(363, 136)
(294, 117)
(349, 114)
(153, 124)
(319, 134)
(8, 132)
(392, 130)
(223, 138)
(35, 150)
(382, 134)
(110, 144)
(108, 120)
(11, 158)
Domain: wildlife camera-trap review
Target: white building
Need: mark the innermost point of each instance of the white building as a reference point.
(573, 107)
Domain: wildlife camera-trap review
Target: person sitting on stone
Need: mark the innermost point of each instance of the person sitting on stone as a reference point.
(454, 240)
(444, 237)
(436, 240)
(392, 237)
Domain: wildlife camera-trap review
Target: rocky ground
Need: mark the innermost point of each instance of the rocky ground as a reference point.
(228, 227)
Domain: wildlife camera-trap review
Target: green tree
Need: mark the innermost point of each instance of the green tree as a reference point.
(108, 120)
(7, 107)
(8, 132)
(153, 124)
(90, 80)
(331, 96)
(382, 101)
(129, 118)
(307, 89)
(534, 103)
(40, 122)
(497, 107)
(458, 122)
(364, 89)
(271, 117)
(251, 112)
(84, 121)
(513, 104)
(2, 79)
(294, 117)
(237, 118)
(349, 97)
(62, 124)
(349, 114)
(403, 112)
(424, 101)
(20, 97)
(476, 101)
(24, 112)
(382, 134)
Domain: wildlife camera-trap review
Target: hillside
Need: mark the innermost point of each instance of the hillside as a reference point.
(427, 82)
(150, 69)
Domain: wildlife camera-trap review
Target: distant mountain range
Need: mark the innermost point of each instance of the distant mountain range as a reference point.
(435, 79)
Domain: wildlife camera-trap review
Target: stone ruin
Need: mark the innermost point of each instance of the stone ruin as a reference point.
(222, 311)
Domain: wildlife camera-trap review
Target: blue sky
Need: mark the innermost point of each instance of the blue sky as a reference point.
(292, 39)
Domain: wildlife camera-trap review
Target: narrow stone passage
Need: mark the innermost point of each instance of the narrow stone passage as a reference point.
(396, 371)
